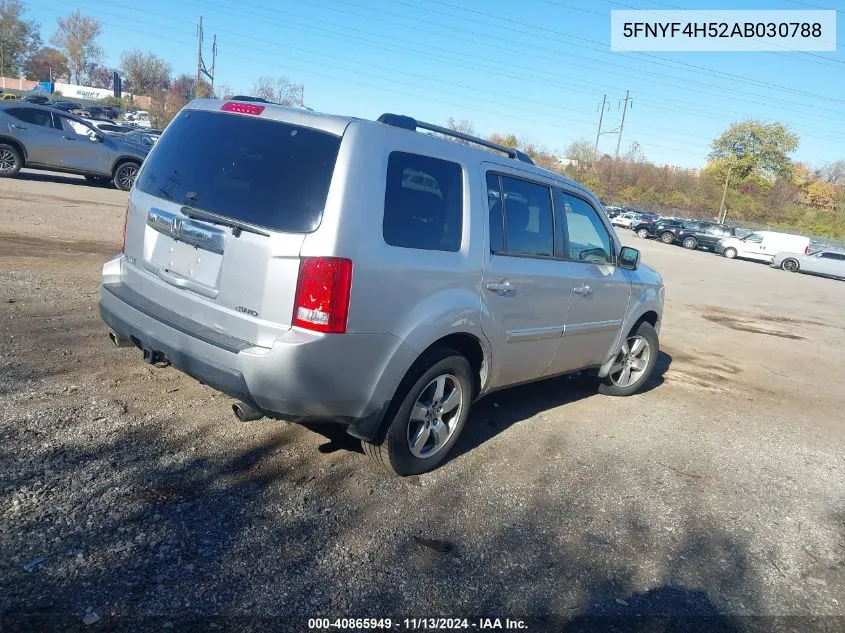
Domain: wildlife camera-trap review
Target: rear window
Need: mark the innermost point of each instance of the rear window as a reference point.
(263, 172)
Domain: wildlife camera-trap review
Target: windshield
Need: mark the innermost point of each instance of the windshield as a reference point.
(263, 172)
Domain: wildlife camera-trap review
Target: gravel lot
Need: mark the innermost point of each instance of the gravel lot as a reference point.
(719, 493)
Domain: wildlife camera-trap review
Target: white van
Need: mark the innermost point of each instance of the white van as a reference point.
(762, 245)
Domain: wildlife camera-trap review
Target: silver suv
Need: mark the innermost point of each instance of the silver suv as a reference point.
(43, 138)
(319, 267)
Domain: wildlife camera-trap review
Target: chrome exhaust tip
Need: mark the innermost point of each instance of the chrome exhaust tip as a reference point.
(119, 341)
(246, 413)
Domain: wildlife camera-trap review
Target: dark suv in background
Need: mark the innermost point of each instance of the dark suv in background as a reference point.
(658, 229)
(694, 235)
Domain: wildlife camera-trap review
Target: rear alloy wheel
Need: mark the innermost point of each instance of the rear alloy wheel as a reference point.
(428, 419)
(790, 265)
(642, 233)
(10, 161)
(730, 253)
(690, 243)
(634, 362)
(124, 175)
(667, 237)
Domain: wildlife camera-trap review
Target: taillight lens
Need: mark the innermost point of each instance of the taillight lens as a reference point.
(125, 220)
(242, 108)
(807, 250)
(322, 294)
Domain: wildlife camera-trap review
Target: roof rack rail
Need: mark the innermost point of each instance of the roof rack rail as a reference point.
(410, 123)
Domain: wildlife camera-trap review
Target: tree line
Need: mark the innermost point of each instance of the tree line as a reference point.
(75, 56)
(764, 184)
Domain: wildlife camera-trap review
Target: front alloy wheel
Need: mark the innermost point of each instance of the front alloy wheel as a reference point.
(631, 361)
(124, 176)
(642, 233)
(790, 265)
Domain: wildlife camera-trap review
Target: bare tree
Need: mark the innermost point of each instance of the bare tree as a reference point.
(76, 36)
(222, 91)
(635, 153)
(279, 90)
(580, 151)
(145, 73)
(834, 172)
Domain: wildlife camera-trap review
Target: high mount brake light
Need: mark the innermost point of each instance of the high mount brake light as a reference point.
(242, 108)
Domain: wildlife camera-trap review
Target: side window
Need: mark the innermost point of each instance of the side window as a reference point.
(423, 203)
(587, 239)
(835, 256)
(73, 127)
(528, 224)
(497, 218)
(754, 237)
(33, 116)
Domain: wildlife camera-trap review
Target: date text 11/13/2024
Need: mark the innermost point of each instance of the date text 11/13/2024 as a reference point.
(416, 624)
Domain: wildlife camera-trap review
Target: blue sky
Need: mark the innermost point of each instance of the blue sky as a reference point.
(536, 68)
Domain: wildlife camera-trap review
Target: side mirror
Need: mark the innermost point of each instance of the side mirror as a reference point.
(629, 258)
(94, 137)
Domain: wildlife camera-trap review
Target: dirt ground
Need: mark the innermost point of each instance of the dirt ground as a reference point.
(717, 495)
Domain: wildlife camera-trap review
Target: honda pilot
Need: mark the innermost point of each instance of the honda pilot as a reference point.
(370, 273)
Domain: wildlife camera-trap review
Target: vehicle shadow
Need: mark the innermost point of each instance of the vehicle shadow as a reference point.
(669, 609)
(500, 410)
(53, 177)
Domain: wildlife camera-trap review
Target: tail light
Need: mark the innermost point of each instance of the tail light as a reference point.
(322, 294)
(125, 220)
(807, 250)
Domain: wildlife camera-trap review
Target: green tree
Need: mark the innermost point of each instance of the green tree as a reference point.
(76, 36)
(756, 148)
(19, 38)
(144, 73)
(45, 64)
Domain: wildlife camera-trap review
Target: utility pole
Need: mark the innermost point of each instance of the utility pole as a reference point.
(622, 125)
(199, 59)
(722, 211)
(201, 68)
(598, 132)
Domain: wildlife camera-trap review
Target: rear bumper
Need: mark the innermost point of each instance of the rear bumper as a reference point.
(347, 378)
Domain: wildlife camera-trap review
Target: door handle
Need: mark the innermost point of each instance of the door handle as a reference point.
(582, 290)
(68, 138)
(503, 286)
(19, 127)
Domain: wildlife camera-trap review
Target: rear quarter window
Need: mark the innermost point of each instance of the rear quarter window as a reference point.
(260, 171)
(423, 203)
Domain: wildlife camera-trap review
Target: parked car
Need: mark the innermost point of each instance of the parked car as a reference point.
(8, 96)
(762, 245)
(827, 263)
(626, 220)
(612, 212)
(653, 229)
(140, 118)
(694, 235)
(107, 125)
(40, 99)
(39, 137)
(65, 106)
(141, 136)
(251, 264)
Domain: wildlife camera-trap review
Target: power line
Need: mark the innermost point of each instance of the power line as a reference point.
(568, 56)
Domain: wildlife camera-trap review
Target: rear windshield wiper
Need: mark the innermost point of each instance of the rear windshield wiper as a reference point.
(198, 214)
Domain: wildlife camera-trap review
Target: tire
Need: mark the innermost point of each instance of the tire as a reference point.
(729, 252)
(99, 181)
(690, 242)
(11, 161)
(642, 233)
(613, 384)
(124, 175)
(667, 237)
(393, 449)
(790, 265)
